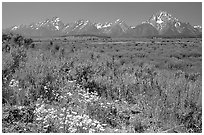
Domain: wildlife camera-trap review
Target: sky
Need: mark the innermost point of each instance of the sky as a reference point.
(133, 13)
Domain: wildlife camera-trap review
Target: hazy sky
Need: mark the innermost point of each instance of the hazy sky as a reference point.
(132, 13)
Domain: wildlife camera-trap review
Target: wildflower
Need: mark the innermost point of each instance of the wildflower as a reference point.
(61, 114)
(71, 81)
(61, 127)
(39, 118)
(84, 128)
(66, 122)
(89, 121)
(70, 94)
(96, 121)
(98, 126)
(79, 117)
(46, 126)
(63, 109)
(72, 130)
(93, 124)
(104, 124)
(102, 129)
(13, 83)
(49, 109)
(108, 103)
(20, 107)
(54, 116)
(69, 116)
(85, 116)
(37, 104)
(80, 124)
(74, 112)
(91, 130)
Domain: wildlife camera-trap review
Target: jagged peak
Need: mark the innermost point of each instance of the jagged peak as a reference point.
(81, 21)
(197, 26)
(144, 22)
(14, 27)
(160, 20)
(54, 18)
(161, 13)
(119, 21)
(161, 17)
(107, 22)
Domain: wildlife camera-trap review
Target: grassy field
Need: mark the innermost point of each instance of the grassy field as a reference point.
(105, 85)
(171, 54)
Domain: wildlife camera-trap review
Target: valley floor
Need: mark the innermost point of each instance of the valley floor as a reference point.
(101, 85)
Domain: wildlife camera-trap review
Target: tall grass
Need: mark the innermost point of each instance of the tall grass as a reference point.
(87, 91)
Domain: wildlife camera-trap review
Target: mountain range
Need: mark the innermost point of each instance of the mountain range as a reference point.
(161, 24)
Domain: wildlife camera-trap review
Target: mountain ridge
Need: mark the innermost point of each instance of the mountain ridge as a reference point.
(160, 24)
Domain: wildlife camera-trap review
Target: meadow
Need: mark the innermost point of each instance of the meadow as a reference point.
(101, 85)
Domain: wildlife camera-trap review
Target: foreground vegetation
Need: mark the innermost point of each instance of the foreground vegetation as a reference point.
(71, 90)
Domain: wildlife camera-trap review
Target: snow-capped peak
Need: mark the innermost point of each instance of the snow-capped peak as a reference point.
(84, 24)
(162, 16)
(56, 19)
(162, 23)
(161, 20)
(57, 27)
(105, 25)
(98, 25)
(15, 27)
(163, 13)
(80, 21)
(197, 26)
(119, 21)
(53, 23)
(144, 22)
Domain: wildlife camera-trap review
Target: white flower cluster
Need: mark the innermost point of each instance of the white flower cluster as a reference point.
(85, 124)
(14, 83)
(69, 118)
(88, 97)
(93, 98)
